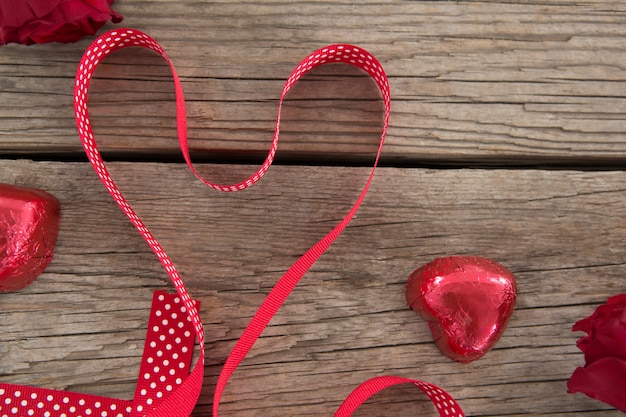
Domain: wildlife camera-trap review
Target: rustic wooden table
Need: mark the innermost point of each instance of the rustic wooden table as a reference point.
(507, 140)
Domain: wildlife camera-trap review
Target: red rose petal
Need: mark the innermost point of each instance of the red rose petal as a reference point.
(617, 300)
(43, 21)
(17, 13)
(604, 380)
(606, 329)
(604, 374)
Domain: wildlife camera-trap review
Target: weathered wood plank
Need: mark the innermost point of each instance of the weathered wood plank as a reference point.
(490, 82)
(560, 232)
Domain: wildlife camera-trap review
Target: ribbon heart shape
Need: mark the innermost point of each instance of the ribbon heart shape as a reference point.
(178, 399)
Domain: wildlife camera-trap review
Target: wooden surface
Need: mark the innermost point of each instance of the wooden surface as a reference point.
(489, 82)
(507, 140)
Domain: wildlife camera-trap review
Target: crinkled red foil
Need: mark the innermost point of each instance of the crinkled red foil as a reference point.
(42, 21)
(604, 375)
(467, 302)
(29, 225)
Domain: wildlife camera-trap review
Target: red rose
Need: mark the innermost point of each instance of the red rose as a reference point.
(43, 21)
(604, 375)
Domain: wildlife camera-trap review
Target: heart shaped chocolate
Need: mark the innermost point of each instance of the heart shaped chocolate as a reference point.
(467, 302)
(29, 225)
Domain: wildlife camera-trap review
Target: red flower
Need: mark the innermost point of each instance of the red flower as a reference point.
(604, 375)
(43, 21)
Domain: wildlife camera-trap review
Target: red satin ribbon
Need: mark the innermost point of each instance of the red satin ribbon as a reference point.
(183, 397)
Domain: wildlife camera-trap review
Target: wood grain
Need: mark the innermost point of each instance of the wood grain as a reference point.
(489, 85)
(473, 82)
(80, 326)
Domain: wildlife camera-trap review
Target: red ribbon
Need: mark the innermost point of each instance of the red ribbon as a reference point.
(179, 398)
(164, 367)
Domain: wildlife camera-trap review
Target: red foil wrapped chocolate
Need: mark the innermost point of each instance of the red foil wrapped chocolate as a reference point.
(467, 302)
(29, 225)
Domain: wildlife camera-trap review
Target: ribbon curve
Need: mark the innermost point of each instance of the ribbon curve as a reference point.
(178, 398)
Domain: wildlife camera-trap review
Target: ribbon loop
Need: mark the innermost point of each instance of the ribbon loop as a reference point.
(445, 404)
(183, 399)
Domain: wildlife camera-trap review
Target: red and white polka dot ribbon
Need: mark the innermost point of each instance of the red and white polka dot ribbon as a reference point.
(165, 365)
(178, 398)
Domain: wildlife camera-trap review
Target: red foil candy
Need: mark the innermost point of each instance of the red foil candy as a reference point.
(467, 302)
(29, 225)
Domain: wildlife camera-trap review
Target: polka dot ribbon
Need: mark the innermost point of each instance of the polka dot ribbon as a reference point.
(165, 364)
(163, 395)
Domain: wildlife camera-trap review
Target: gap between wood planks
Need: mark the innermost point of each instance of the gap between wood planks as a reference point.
(357, 160)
